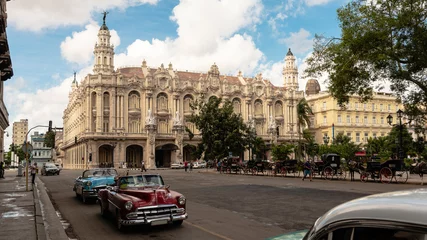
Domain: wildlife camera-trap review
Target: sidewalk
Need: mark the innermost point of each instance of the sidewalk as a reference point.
(27, 215)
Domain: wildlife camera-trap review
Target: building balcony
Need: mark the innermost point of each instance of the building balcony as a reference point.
(259, 116)
(134, 111)
(106, 111)
(4, 46)
(188, 113)
(279, 117)
(6, 73)
(163, 112)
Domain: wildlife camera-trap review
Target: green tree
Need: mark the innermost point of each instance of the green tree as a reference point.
(259, 148)
(341, 139)
(380, 40)
(282, 151)
(304, 112)
(49, 139)
(393, 141)
(221, 129)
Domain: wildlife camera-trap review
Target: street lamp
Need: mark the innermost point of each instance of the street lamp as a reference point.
(326, 139)
(399, 114)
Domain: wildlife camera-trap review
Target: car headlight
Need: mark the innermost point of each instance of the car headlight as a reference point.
(128, 205)
(181, 200)
(88, 183)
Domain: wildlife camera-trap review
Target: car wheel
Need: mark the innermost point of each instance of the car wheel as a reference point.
(178, 223)
(119, 224)
(77, 195)
(84, 199)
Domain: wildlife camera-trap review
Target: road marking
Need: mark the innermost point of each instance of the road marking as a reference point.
(208, 231)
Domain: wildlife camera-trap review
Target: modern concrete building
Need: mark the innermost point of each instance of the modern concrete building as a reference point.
(40, 153)
(358, 120)
(133, 113)
(20, 129)
(6, 73)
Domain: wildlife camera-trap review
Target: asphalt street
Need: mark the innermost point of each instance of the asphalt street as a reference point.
(219, 206)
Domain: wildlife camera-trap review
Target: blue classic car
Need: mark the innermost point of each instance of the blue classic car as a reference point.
(91, 181)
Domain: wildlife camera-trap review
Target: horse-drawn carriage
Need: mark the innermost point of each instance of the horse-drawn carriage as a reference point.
(261, 166)
(385, 172)
(329, 167)
(232, 165)
(288, 168)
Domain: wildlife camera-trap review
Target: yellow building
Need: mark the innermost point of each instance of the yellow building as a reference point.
(20, 130)
(358, 120)
(130, 114)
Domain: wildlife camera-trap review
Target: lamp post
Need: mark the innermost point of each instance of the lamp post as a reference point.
(399, 114)
(326, 139)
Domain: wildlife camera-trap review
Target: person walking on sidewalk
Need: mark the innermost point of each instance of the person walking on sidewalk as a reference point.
(191, 166)
(307, 170)
(185, 165)
(1, 170)
(33, 173)
(143, 166)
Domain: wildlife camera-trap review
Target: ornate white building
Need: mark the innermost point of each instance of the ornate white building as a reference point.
(135, 113)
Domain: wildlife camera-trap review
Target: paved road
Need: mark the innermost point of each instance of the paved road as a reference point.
(219, 206)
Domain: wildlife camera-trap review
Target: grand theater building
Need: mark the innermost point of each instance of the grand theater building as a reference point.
(130, 114)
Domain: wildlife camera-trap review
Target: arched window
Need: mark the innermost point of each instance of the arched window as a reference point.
(99, 60)
(278, 108)
(187, 103)
(105, 60)
(162, 102)
(236, 106)
(134, 100)
(258, 107)
(106, 101)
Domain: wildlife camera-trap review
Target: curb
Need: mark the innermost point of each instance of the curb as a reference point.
(48, 224)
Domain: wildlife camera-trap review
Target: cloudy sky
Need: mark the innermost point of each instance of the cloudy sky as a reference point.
(49, 40)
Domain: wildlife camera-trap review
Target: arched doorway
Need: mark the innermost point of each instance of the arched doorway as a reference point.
(134, 156)
(106, 156)
(188, 153)
(164, 154)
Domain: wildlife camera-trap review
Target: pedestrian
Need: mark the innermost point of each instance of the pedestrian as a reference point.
(191, 166)
(185, 165)
(33, 173)
(1, 170)
(307, 170)
(143, 166)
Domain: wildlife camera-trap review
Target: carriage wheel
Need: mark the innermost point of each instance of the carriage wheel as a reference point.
(245, 170)
(341, 173)
(283, 172)
(328, 172)
(228, 170)
(254, 171)
(386, 175)
(364, 176)
(401, 176)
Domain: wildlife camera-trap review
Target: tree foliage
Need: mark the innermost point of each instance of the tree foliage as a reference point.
(222, 130)
(304, 112)
(49, 139)
(380, 40)
(342, 146)
(282, 151)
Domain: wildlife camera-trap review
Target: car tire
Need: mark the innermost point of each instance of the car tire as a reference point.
(84, 199)
(119, 225)
(178, 223)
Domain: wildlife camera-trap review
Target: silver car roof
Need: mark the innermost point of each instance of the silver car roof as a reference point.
(409, 206)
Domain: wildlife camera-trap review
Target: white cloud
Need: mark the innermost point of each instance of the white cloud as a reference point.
(300, 42)
(203, 38)
(38, 107)
(43, 14)
(311, 3)
(79, 47)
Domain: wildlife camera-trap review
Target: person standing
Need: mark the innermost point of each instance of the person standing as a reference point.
(33, 173)
(1, 170)
(307, 170)
(185, 165)
(191, 166)
(143, 166)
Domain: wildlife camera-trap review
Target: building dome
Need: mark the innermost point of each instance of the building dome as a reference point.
(312, 87)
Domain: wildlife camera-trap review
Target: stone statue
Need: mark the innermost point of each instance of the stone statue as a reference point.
(150, 119)
(177, 119)
(105, 16)
(251, 122)
(272, 122)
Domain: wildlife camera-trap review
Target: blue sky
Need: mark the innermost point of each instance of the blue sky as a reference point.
(49, 40)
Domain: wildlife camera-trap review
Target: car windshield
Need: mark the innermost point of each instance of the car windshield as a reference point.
(141, 181)
(99, 173)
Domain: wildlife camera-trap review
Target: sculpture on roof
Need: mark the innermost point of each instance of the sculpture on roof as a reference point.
(272, 123)
(105, 16)
(150, 119)
(177, 119)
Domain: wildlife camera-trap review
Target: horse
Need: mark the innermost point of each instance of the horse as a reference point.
(420, 168)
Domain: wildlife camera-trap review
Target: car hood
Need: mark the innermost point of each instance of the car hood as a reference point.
(100, 181)
(298, 235)
(51, 169)
(144, 196)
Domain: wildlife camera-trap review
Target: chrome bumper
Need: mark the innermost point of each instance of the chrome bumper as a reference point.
(168, 219)
(90, 194)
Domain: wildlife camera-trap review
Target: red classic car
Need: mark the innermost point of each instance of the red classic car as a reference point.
(142, 199)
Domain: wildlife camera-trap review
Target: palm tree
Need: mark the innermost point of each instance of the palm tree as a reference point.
(304, 113)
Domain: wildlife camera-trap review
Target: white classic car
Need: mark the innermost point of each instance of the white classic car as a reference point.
(177, 165)
(398, 215)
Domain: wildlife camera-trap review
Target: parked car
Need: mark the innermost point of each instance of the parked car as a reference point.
(177, 165)
(58, 166)
(393, 215)
(91, 181)
(202, 164)
(49, 169)
(142, 199)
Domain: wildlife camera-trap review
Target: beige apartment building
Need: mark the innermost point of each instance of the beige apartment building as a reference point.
(358, 120)
(130, 114)
(6, 72)
(20, 130)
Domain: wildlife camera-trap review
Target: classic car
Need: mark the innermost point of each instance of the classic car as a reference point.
(49, 169)
(394, 215)
(142, 200)
(178, 165)
(91, 181)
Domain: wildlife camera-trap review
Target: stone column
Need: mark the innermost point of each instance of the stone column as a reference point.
(149, 156)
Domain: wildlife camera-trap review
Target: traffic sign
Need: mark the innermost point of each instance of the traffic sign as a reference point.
(27, 148)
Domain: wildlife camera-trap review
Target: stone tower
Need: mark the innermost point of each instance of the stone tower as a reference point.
(290, 72)
(104, 51)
